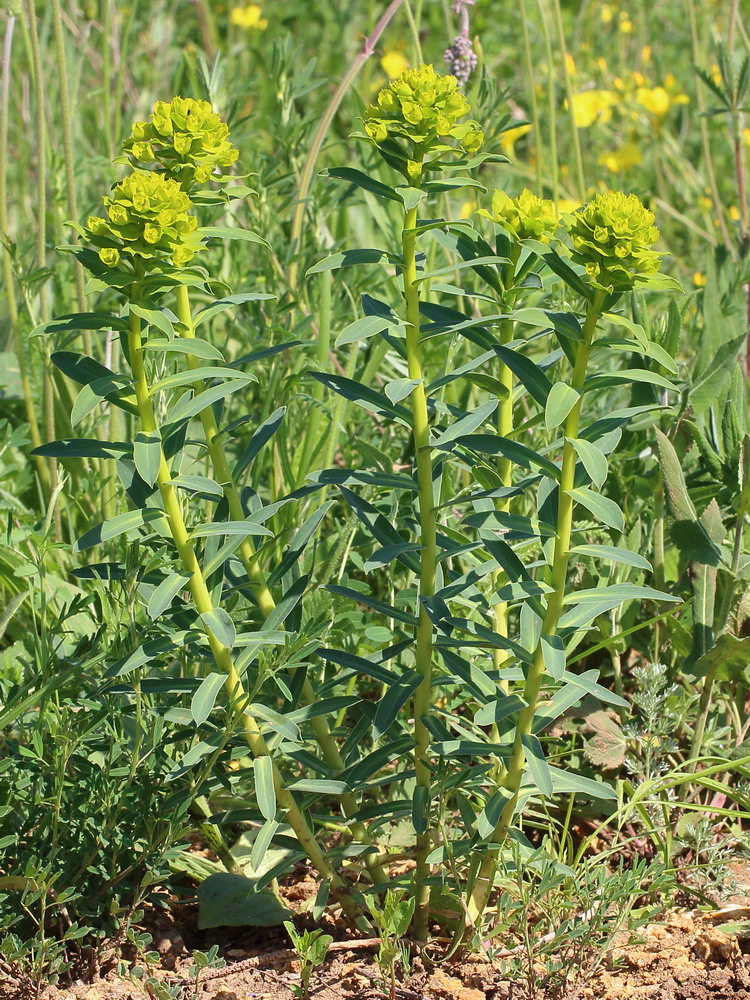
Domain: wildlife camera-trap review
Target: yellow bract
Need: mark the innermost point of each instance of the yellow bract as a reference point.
(527, 216)
(424, 108)
(187, 138)
(147, 217)
(612, 238)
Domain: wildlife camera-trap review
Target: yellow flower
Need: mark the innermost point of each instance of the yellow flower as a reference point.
(699, 279)
(706, 204)
(394, 63)
(592, 105)
(570, 64)
(622, 159)
(654, 99)
(734, 213)
(249, 17)
(606, 13)
(509, 139)
(746, 136)
(567, 205)
(468, 209)
(626, 25)
(646, 53)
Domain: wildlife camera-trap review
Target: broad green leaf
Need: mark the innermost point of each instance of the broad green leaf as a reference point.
(400, 388)
(229, 900)
(727, 660)
(117, 525)
(265, 791)
(560, 401)
(490, 815)
(601, 507)
(204, 699)
(618, 592)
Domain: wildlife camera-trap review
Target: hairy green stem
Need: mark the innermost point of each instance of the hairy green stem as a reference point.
(260, 588)
(10, 292)
(67, 142)
(428, 564)
(516, 766)
(222, 654)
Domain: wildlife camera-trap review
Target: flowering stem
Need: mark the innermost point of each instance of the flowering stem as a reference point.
(428, 563)
(516, 766)
(222, 654)
(255, 575)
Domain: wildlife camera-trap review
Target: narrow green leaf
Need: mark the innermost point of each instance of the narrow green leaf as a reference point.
(147, 455)
(553, 651)
(264, 786)
(166, 592)
(223, 233)
(117, 525)
(352, 258)
(560, 401)
(394, 700)
(189, 406)
(221, 625)
(204, 699)
(466, 424)
(601, 507)
(529, 374)
(538, 766)
(593, 460)
(614, 553)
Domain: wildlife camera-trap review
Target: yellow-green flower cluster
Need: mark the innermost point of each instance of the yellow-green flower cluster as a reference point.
(186, 138)
(147, 216)
(424, 108)
(612, 237)
(527, 216)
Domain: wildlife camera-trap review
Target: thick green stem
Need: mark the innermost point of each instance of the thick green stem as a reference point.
(222, 654)
(428, 564)
(257, 579)
(536, 672)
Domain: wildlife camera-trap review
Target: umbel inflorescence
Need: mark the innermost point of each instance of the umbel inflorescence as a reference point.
(526, 217)
(147, 217)
(423, 108)
(612, 238)
(186, 139)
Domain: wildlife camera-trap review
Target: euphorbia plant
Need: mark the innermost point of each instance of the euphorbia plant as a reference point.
(495, 614)
(141, 250)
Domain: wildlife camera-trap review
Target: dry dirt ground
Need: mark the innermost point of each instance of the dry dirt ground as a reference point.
(687, 956)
